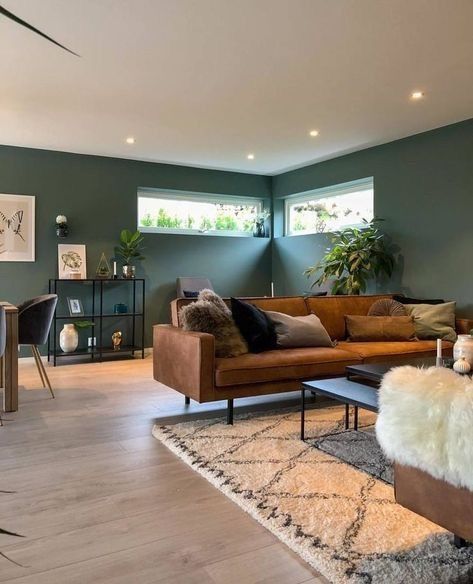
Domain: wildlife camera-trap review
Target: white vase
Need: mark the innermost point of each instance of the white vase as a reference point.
(464, 348)
(69, 338)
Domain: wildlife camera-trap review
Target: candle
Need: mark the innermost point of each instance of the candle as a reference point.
(114, 268)
(272, 289)
(438, 360)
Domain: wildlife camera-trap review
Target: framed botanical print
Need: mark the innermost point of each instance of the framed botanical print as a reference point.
(71, 261)
(17, 228)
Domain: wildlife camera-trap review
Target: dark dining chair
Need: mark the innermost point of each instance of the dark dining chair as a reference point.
(34, 321)
(190, 287)
(3, 342)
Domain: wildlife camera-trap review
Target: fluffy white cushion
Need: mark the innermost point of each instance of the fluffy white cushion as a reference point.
(426, 421)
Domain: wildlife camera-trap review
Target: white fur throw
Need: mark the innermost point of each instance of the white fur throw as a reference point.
(426, 421)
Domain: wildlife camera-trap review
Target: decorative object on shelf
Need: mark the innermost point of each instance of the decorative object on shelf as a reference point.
(17, 228)
(62, 230)
(115, 270)
(91, 342)
(120, 308)
(69, 338)
(129, 249)
(75, 307)
(117, 340)
(462, 366)
(358, 255)
(259, 227)
(72, 262)
(103, 269)
(464, 348)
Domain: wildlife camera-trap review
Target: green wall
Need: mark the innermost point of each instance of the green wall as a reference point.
(424, 191)
(423, 188)
(98, 195)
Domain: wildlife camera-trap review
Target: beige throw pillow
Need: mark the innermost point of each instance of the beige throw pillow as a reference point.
(434, 321)
(299, 331)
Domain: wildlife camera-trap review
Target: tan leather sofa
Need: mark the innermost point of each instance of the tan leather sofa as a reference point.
(441, 502)
(186, 360)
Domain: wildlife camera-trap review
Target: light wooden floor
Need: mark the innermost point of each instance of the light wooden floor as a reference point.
(100, 501)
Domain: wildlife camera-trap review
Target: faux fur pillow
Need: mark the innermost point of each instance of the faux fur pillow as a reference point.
(210, 314)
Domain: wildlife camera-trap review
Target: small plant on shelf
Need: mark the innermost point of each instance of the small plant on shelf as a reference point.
(129, 250)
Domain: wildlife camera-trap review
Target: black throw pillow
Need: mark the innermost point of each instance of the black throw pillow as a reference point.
(255, 326)
(407, 300)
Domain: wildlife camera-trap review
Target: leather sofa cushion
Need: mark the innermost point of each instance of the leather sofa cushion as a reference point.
(372, 352)
(332, 310)
(303, 363)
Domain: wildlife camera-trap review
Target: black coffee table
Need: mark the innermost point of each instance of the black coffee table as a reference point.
(353, 393)
(343, 390)
(376, 371)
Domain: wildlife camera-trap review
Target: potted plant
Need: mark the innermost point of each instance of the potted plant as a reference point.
(129, 249)
(357, 255)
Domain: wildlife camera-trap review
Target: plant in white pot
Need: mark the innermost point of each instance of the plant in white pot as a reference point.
(129, 250)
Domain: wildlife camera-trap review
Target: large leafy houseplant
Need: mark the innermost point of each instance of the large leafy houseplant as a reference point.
(357, 256)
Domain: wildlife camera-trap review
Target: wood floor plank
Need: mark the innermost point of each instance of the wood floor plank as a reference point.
(101, 501)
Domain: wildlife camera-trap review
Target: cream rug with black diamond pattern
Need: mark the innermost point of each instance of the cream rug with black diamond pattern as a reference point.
(341, 520)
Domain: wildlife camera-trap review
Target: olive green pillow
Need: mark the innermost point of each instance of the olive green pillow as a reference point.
(434, 321)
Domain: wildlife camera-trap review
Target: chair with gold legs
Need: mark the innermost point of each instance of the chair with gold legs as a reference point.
(34, 321)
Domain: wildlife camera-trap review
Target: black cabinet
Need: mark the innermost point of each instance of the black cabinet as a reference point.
(98, 298)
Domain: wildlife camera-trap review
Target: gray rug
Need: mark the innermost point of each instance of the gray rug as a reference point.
(360, 449)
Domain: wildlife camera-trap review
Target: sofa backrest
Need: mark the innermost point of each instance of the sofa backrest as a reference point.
(330, 309)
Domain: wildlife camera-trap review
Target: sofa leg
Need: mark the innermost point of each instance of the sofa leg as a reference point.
(187, 400)
(230, 412)
(459, 542)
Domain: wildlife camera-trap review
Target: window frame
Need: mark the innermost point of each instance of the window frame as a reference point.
(324, 193)
(200, 197)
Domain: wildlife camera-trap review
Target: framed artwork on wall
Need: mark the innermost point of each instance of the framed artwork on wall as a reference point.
(72, 263)
(17, 228)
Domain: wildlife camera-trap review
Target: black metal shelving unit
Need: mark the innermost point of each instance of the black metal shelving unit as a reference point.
(97, 316)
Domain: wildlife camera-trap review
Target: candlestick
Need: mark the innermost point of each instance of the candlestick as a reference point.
(438, 360)
(272, 289)
(114, 270)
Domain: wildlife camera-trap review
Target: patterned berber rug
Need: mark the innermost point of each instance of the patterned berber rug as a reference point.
(330, 500)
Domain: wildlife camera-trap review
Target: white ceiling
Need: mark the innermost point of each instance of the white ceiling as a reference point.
(205, 82)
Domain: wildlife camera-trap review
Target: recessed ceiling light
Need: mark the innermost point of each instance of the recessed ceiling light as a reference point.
(417, 95)
(130, 140)
(314, 133)
(251, 156)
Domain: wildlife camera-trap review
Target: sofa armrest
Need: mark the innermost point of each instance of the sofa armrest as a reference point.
(185, 361)
(463, 326)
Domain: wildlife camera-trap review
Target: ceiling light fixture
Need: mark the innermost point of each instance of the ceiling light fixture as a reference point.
(417, 95)
(251, 156)
(314, 133)
(130, 140)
